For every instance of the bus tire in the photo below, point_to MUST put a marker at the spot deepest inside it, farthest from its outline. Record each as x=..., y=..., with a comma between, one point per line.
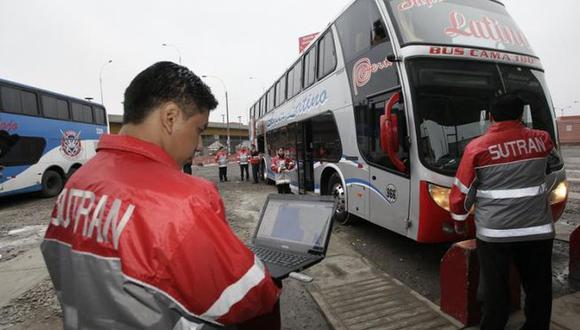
x=338, y=191
x=71, y=172
x=52, y=183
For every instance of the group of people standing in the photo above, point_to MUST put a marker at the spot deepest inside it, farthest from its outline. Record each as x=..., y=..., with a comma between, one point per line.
x=244, y=158
x=281, y=166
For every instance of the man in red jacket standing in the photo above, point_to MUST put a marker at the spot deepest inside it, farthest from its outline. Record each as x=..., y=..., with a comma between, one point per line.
x=134, y=243
x=503, y=173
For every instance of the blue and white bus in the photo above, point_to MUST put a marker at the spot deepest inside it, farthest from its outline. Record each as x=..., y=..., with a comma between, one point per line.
x=44, y=138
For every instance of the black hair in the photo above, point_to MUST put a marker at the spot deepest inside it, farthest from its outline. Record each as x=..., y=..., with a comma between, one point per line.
x=166, y=82
x=507, y=107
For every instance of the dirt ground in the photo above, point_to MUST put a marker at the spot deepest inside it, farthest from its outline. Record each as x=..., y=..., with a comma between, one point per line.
x=23, y=221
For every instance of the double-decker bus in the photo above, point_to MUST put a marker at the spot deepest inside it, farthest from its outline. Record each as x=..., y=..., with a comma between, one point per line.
x=378, y=110
x=44, y=138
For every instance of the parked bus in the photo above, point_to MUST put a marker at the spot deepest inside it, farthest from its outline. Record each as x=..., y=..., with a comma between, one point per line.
x=44, y=138
x=378, y=110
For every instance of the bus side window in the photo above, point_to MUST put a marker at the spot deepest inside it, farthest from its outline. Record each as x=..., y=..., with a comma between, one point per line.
x=20, y=150
x=360, y=28
x=19, y=101
x=368, y=118
x=326, y=55
x=54, y=108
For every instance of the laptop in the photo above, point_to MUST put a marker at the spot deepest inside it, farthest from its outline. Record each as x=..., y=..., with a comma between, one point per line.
x=293, y=232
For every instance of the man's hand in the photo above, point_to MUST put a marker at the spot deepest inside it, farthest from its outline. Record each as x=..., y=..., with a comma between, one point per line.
x=460, y=228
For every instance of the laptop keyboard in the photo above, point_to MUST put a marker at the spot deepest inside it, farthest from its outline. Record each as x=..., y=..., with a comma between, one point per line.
x=279, y=257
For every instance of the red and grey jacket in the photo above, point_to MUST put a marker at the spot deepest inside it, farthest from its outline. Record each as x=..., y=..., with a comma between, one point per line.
x=221, y=158
x=135, y=243
x=280, y=166
x=243, y=157
x=503, y=173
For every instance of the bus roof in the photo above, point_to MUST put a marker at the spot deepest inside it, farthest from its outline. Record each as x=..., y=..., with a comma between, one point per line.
x=313, y=42
x=23, y=86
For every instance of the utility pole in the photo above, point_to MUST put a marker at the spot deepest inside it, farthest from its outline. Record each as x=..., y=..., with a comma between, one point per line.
x=101, y=80
x=227, y=108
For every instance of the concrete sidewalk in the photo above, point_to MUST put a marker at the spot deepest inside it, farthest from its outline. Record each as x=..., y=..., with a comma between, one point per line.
x=353, y=294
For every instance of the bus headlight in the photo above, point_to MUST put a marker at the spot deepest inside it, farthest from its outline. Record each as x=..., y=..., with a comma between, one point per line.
x=440, y=196
x=559, y=194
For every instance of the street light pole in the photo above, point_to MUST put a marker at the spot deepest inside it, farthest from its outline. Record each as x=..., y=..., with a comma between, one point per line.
x=175, y=47
x=101, y=80
x=227, y=108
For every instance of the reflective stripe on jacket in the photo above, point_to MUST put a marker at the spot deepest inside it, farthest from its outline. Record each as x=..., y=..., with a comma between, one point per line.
x=135, y=243
x=503, y=173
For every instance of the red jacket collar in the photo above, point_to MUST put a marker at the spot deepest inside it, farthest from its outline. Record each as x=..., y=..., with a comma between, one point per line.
x=134, y=145
x=505, y=126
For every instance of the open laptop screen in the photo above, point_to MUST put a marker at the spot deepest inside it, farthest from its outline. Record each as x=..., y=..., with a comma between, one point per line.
x=297, y=221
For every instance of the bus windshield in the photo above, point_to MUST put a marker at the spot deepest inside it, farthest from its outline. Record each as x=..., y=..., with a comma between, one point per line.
x=452, y=100
x=471, y=23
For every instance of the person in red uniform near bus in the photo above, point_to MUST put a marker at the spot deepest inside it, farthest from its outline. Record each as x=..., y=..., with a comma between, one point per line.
x=134, y=243
x=281, y=166
x=503, y=173
x=221, y=158
x=255, y=161
x=243, y=157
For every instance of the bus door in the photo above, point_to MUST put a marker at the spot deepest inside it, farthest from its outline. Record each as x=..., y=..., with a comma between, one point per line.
x=388, y=165
x=304, y=156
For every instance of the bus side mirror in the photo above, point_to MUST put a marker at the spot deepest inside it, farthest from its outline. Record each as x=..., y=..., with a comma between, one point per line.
x=390, y=133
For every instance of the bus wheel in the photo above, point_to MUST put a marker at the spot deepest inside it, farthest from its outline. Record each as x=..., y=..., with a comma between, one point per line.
x=71, y=172
x=52, y=183
x=336, y=189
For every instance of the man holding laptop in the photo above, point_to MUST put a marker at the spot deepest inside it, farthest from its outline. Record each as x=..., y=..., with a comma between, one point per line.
x=134, y=243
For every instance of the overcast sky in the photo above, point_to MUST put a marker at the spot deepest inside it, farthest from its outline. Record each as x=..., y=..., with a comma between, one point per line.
x=61, y=45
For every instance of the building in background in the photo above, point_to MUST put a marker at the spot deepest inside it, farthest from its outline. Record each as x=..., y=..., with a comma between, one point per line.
x=569, y=129
x=115, y=123
x=215, y=132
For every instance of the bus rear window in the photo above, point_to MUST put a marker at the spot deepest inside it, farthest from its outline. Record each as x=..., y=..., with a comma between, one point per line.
x=99, y=115
x=471, y=23
x=81, y=112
